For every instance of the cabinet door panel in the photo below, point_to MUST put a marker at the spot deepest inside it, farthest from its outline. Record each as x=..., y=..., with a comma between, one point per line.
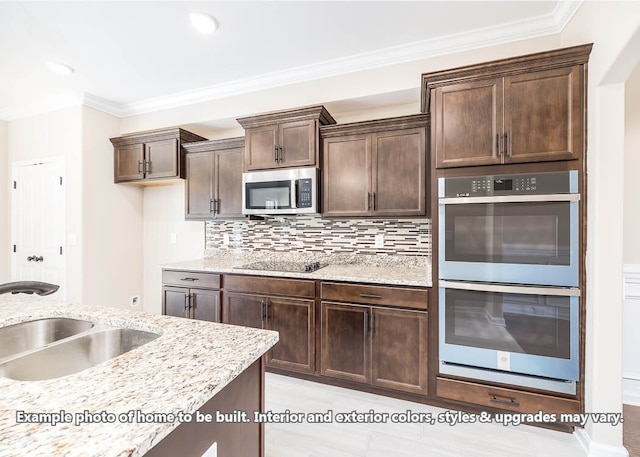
x=345, y=348
x=298, y=142
x=199, y=185
x=346, y=185
x=467, y=120
x=243, y=309
x=543, y=115
x=174, y=301
x=398, y=173
x=260, y=145
x=129, y=163
x=205, y=305
x=228, y=182
x=162, y=159
x=399, y=350
x=294, y=320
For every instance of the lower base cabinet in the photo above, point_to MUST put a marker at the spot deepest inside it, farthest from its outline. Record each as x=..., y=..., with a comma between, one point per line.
x=192, y=295
x=384, y=347
x=292, y=317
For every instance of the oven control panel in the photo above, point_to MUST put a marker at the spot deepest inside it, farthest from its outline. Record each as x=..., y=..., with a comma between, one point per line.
x=563, y=182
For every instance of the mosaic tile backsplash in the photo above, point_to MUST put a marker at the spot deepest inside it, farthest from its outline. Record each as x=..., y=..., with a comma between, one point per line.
x=307, y=234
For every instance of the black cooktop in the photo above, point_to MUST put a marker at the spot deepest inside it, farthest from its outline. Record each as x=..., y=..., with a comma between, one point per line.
x=295, y=267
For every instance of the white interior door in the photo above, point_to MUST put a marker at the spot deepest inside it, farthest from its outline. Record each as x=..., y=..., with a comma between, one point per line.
x=38, y=223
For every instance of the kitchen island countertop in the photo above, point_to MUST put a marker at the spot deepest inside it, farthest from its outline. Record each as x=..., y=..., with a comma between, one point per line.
x=176, y=373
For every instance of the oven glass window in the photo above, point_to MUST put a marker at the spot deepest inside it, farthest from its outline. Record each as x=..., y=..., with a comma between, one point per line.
x=521, y=323
x=534, y=233
x=269, y=195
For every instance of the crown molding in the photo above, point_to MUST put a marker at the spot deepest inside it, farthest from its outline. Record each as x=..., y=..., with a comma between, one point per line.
x=489, y=36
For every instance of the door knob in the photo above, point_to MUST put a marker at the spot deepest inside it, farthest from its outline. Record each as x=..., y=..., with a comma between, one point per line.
x=31, y=258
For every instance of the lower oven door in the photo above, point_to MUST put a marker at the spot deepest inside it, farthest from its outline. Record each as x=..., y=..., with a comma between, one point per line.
x=510, y=329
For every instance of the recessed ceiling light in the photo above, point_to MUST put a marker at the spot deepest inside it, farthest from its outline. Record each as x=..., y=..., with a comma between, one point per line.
x=203, y=22
x=60, y=68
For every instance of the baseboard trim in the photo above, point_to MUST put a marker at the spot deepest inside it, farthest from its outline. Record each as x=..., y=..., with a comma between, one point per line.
x=595, y=449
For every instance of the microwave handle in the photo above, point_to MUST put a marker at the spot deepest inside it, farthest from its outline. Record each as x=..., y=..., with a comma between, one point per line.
x=294, y=193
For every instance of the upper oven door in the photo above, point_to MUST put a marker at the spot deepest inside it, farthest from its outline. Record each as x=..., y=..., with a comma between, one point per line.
x=524, y=239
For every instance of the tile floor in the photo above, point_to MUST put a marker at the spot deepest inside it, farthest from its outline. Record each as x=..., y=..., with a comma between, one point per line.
x=631, y=428
x=333, y=439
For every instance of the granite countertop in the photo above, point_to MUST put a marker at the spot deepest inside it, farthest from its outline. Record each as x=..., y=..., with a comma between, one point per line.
x=176, y=373
x=385, y=270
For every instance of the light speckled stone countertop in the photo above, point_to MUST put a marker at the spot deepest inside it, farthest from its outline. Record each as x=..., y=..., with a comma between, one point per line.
x=394, y=270
x=178, y=372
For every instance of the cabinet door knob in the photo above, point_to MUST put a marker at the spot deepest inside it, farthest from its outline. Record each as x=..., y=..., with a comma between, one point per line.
x=280, y=154
x=139, y=166
x=275, y=153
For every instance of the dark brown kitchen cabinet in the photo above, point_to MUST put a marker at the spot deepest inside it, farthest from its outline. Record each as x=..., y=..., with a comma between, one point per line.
x=378, y=345
x=525, y=109
x=284, y=139
x=193, y=295
x=152, y=157
x=375, y=168
x=284, y=305
x=213, y=188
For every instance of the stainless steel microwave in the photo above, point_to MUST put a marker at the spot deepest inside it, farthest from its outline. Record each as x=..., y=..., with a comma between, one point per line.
x=288, y=191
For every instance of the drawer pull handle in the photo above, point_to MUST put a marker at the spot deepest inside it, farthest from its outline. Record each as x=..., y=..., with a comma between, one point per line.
x=370, y=296
x=188, y=279
x=504, y=401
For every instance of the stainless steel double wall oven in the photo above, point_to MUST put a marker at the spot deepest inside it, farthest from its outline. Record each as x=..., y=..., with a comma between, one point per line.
x=508, y=278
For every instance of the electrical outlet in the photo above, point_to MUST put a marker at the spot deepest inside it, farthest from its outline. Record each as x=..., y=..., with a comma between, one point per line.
x=174, y=238
x=379, y=241
x=135, y=300
x=225, y=239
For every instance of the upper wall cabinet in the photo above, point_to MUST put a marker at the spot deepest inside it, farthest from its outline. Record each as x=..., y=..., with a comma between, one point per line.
x=285, y=138
x=525, y=109
x=153, y=157
x=214, y=179
x=375, y=168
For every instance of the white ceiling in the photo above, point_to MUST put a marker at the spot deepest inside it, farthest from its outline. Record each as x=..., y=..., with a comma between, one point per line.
x=133, y=57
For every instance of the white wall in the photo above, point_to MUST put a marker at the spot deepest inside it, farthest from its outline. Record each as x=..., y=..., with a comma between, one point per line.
x=632, y=169
x=111, y=219
x=612, y=27
x=164, y=216
x=57, y=133
x=5, y=255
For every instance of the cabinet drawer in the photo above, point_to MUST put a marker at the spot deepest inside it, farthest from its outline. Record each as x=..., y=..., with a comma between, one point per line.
x=503, y=398
x=268, y=285
x=191, y=279
x=375, y=295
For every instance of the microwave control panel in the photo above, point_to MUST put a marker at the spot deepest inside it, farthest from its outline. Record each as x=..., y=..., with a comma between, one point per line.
x=563, y=182
x=304, y=188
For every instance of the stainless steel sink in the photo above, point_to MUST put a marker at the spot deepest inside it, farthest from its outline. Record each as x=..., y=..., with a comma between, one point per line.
x=75, y=354
x=26, y=336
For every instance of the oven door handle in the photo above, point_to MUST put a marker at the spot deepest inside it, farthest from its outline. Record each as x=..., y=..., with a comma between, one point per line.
x=509, y=289
x=294, y=193
x=510, y=199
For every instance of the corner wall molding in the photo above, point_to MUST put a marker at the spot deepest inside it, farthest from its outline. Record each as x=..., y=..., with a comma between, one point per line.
x=489, y=36
x=631, y=281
